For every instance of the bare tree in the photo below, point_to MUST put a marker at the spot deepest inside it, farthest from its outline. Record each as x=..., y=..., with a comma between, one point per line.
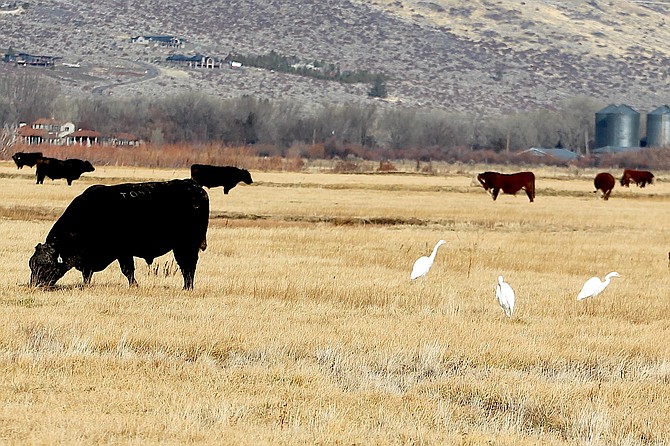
x=7, y=138
x=30, y=96
x=398, y=128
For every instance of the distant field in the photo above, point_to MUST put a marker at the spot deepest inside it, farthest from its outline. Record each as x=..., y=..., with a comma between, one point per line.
x=304, y=327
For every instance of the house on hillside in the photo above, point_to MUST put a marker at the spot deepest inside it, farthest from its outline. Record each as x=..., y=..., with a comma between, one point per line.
x=195, y=61
x=162, y=40
x=11, y=8
x=25, y=59
x=232, y=60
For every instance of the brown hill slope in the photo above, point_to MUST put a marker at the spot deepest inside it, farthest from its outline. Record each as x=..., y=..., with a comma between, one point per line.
x=481, y=56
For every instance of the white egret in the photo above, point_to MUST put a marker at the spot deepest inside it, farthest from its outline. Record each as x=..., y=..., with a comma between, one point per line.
x=594, y=286
x=505, y=296
x=423, y=264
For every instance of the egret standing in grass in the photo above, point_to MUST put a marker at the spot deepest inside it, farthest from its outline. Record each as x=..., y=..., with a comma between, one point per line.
x=594, y=286
x=423, y=264
x=505, y=296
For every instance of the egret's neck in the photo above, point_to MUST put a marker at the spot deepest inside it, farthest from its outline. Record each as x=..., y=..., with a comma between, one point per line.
x=432, y=256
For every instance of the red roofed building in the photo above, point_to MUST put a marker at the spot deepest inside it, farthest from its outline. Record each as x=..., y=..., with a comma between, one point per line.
x=124, y=139
x=83, y=137
x=44, y=131
x=51, y=131
x=28, y=135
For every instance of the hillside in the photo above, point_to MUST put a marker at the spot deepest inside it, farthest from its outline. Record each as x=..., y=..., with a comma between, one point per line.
x=485, y=57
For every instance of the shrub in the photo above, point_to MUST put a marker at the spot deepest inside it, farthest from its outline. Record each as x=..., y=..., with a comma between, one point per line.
x=386, y=166
x=346, y=166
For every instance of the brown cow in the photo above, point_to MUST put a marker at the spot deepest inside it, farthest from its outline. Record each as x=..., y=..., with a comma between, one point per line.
x=604, y=182
x=639, y=177
x=509, y=183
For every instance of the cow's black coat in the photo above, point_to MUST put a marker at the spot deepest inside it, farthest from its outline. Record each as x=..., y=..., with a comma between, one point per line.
x=26, y=158
x=107, y=223
x=214, y=176
x=70, y=169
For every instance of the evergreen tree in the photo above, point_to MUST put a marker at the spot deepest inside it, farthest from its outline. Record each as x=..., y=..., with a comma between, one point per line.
x=378, y=89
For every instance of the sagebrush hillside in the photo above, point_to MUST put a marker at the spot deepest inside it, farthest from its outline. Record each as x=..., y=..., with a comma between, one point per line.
x=481, y=56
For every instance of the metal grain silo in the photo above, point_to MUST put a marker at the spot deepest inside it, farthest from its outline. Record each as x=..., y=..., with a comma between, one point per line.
x=658, y=127
x=602, y=126
x=617, y=126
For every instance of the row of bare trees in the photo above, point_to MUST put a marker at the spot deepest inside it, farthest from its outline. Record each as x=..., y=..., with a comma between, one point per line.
x=363, y=128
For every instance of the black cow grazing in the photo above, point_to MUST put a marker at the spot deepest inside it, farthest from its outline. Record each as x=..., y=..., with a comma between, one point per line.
x=214, y=176
x=70, y=169
x=107, y=223
x=26, y=158
x=509, y=183
x=639, y=177
x=604, y=182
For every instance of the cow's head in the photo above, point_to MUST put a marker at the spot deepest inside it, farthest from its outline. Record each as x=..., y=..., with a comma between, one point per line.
x=483, y=178
x=86, y=166
x=246, y=177
x=17, y=159
x=46, y=266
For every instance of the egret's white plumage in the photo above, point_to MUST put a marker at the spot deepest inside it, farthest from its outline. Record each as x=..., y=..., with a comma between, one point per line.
x=505, y=296
x=423, y=264
x=594, y=286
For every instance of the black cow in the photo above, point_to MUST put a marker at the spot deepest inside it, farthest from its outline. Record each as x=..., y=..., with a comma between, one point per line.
x=604, y=182
x=639, y=177
x=26, y=158
x=214, y=176
x=70, y=169
x=107, y=223
x=510, y=183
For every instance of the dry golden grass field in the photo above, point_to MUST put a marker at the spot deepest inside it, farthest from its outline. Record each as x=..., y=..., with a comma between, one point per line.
x=304, y=326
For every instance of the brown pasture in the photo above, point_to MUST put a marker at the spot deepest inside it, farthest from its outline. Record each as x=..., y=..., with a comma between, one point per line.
x=304, y=327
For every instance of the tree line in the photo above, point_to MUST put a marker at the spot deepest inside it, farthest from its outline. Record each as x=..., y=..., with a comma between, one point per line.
x=317, y=69
x=280, y=127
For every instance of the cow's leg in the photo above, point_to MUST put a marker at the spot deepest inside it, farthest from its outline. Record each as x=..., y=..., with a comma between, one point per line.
x=127, y=265
x=529, y=193
x=187, y=259
x=494, y=193
x=40, y=178
x=69, y=181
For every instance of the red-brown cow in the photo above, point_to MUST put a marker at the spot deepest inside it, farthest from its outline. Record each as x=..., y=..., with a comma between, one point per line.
x=508, y=183
x=639, y=177
x=604, y=182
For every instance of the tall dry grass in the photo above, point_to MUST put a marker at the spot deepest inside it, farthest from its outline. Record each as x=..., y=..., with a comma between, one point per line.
x=304, y=327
